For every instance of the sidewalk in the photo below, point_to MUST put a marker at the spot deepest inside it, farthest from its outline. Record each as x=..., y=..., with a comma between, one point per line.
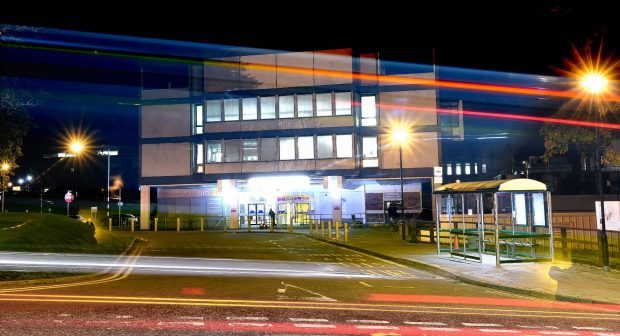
x=559, y=280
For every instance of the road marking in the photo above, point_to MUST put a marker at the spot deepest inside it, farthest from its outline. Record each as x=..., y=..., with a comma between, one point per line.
x=606, y=334
x=426, y=323
x=481, y=324
x=123, y=316
x=247, y=318
x=191, y=318
x=439, y=329
x=64, y=315
x=294, y=319
x=537, y=327
x=368, y=321
x=249, y=324
x=365, y=284
x=500, y=331
x=558, y=333
x=180, y=323
x=590, y=328
x=314, y=325
x=374, y=327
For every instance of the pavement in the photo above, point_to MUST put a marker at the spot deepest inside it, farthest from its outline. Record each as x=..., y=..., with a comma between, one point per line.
x=559, y=280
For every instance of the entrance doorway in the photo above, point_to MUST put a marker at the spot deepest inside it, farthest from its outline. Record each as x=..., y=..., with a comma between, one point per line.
x=302, y=215
x=256, y=214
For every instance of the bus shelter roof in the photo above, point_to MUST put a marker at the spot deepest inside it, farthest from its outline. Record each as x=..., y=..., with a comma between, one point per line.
x=515, y=185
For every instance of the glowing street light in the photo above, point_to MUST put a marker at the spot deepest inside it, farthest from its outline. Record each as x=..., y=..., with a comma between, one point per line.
x=20, y=181
x=400, y=136
x=4, y=169
x=76, y=147
x=594, y=83
x=29, y=178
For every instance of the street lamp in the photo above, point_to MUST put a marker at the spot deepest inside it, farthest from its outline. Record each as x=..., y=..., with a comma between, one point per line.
x=595, y=84
x=4, y=169
x=76, y=147
x=399, y=137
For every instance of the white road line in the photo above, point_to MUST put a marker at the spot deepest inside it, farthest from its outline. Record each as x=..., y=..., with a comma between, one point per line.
x=590, y=328
x=376, y=327
x=249, y=324
x=247, y=318
x=558, y=333
x=368, y=321
x=607, y=334
x=426, y=323
x=123, y=316
x=192, y=318
x=294, y=319
x=64, y=315
x=537, y=327
x=439, y=329
x=365, y=284
x=314, y=325
x=481, y=324
x=181, y=323
x=509, y=331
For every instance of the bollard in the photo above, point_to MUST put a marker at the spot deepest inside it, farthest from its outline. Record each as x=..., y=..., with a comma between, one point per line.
x=132, y=224
x=316, y=227
x=155, y=227
x=109, y=224
x=322, y=228
x=290, y=228
x=202, y=224
x=225, y=227
x=564, y=243
x=178, y=224
x=310, y=228
x=329, y=229
x=346, y=232
x=337, y=230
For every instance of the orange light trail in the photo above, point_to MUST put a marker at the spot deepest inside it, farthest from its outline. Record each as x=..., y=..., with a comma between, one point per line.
x=402, y=80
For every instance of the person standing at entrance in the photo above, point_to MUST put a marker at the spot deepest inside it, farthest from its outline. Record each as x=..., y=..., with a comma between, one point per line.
x=272, y=215
x=392, y=213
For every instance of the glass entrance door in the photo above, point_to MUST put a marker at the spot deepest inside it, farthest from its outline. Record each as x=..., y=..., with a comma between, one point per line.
x=302, y=216
x=256, y=214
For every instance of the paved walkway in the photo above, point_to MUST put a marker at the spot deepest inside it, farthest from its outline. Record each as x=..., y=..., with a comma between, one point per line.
x=561, y=280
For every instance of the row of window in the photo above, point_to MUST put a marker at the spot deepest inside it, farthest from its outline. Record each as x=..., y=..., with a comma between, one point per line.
x=284, y=107
x=467, y=166
x=285, y=148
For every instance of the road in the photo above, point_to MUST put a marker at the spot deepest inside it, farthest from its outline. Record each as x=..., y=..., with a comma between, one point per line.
x=195, y=283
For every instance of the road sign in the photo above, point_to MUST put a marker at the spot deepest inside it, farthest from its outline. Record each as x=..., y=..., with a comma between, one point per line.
x=68, y=197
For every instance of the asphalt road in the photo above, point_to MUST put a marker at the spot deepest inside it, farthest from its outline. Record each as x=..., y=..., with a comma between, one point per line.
x=260, y=283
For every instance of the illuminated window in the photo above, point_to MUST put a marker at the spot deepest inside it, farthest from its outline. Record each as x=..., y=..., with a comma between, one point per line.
x=369, y=111
x=305, y=147
x=231, y=150
x=304, y=106
x=343, y=103
x=268, y=149
x=287, y=107
x=449, y=169
x=214, y=110
x=250, y=150
x=287, y=148
x=484, y=168
x=325, y=146
x=369, y=147
x=324, y=105
x=458, y=169
x=476, y=168
x=200, y=158
x=231, y=109
x=214, y=151
x=198, y=119
x=467, y=168
x=344, y=146
x=268, y=107
x=250, y=108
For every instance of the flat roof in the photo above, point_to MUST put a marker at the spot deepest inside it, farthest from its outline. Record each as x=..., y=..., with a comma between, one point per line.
x=491, y=186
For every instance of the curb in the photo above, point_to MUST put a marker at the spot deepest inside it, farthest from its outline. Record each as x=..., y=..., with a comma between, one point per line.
x=464, y=279
x=63, y=279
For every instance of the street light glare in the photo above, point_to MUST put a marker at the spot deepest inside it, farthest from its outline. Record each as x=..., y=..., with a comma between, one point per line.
x=594, y=83
x=29, y=178
x=77, y=147
x=20, y=181
x=400, y=136
x=5, y=166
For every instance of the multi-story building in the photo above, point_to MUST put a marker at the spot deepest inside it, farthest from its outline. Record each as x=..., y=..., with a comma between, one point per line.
x=307, y=134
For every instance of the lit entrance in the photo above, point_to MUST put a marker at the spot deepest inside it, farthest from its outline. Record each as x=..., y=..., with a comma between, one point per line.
x=256, y=214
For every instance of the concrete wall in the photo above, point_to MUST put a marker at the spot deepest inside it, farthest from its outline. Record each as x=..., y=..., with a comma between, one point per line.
x=162, y=121
x=167, y=159
x=421, y=151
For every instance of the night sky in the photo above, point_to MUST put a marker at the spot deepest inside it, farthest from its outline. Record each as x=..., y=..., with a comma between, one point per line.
x=532, y=37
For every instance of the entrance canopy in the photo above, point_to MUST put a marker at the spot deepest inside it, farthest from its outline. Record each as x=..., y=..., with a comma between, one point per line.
x=491, y=186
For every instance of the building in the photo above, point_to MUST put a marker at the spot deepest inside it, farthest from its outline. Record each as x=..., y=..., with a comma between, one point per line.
x=306, y=134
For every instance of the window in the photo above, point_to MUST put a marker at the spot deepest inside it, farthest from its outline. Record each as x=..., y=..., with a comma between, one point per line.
x=369, y=154
x=250, y=150
x=343, y=103
x=458, y=169
x=250, y=108
x=268, y=149
x=268, y=107
x=344, y=146
x=449, y=169
x=484, y=168
x=231, y=150
x=369, y=111
x=214, y=110
x=467, y=168
x=305, y=147
x=231, y=109
x=325, y=146
x=324, y=105
x=287, y=148
x=214, y=151
x=200, y=158
x=304, y=106
x=198, y=119
x=287, y=106
x=476, y=168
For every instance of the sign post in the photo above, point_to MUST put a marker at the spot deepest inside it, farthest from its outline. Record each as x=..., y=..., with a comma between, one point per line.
x=68, y=199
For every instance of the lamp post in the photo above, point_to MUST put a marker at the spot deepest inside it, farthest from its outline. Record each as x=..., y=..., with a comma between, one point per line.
x=595, y=84
x=4, y=169
x=76, y=147
x=400, y=136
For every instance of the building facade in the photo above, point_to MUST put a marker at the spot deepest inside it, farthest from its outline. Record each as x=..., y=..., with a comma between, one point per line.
x=307, y=134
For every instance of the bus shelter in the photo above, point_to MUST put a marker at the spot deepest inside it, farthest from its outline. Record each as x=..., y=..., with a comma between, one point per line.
x=509, y=220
